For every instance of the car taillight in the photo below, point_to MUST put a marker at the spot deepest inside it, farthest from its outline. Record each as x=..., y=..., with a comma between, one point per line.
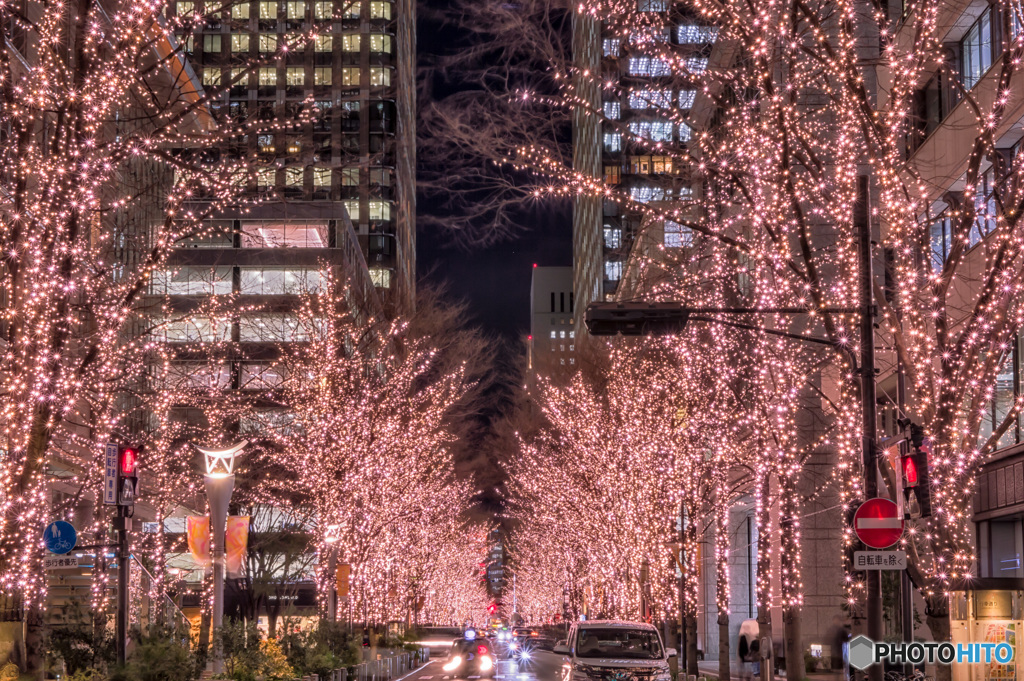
x=481, y=650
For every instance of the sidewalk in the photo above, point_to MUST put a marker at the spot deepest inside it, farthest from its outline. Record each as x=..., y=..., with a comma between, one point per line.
x=709, y=669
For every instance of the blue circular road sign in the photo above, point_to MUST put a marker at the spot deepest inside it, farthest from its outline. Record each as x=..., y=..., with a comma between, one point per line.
x=60, y=537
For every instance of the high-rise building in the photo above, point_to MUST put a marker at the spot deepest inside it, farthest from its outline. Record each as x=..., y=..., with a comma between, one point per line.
x=344, y=145
x=552, y=334
x=643, y=102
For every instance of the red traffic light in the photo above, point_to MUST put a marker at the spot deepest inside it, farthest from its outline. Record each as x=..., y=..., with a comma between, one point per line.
x=910, y=478
x=129, y=461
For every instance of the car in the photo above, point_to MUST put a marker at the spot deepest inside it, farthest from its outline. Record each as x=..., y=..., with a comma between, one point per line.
x=614, y=650
x=437, y=639
x=471, y=655
x=521, y=648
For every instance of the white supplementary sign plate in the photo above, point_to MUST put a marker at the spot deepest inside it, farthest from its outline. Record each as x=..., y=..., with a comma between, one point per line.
x=879, y=560
x=110, y=474
x=60, y=562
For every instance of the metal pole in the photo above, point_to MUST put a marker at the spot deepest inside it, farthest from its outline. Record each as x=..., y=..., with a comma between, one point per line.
x=682, y=595
x=121, y=525
x=869, y=437
x=218, y=493
x=906, y=595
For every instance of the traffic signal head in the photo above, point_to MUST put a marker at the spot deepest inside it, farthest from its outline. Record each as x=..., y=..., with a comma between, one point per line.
x=129, y=460
x=910, y=477
x=127, y=475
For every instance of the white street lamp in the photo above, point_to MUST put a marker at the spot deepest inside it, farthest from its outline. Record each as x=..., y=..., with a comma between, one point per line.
x=220, y=483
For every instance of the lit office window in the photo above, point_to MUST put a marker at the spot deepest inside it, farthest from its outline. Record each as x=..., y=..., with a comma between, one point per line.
x=352, y=208
x=696, y=64
x=293, y=177
x=380, y=10
x=976, y=49
x=611, y=47
x=211, y=77
x=612, y=111
x=324, y=43
x=322, y=75
x=691, y=34
x=612, y=141
x=271, y=327
x=650, y=99
x=268, y=75
x=652, y=5
x=284, y=235
x=191, y=281
x=276, y=281
x=212, y=43
x=684, y=132
x=350, y=177
x=656, y=131
x=650, y=67
x=381, y=278
x=612, y=174
x=380, y=43
x=677, y=236
x=265, y=178
x=268, y=42
x=268, y=10
x=649, y=35
x=183, y=8
x=258, y=376
x=350, y=42
x=240, y=10
x=295, y=9
x=351, y=10
x=612, y=237
x=613, y=270
x=192, y=330
x=380, y=210
x=323, y=10
x=645, y=194
x=239, y=77
x=322, y=177
x=350, y=76
x=686, y=98
x=239, y=42
x=380, y=75
x=295, y=76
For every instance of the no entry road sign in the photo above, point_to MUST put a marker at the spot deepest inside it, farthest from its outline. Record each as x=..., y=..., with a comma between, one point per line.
x=877, y=523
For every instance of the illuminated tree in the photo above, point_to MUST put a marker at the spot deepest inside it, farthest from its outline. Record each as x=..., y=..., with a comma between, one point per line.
x=106, y=137
x=785, y=117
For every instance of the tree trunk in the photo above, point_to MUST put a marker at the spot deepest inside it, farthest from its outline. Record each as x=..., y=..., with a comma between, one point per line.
x=271, y=624
x=204, y=633
x=937, y=619
x=794, y=649
x=691, y=645
x=764, y=632
x=34, y=642
x=723, y=647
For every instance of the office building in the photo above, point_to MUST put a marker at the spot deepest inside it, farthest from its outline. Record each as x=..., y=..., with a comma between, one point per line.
x=344, y=143
x=552, y=333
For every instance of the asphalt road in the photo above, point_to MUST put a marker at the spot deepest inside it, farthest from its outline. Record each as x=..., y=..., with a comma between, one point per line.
x=544, y=666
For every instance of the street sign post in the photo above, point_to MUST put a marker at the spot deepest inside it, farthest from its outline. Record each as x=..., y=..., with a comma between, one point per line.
x=879, y=560
x=60, y=537
x=878, y=523
x=110, y=474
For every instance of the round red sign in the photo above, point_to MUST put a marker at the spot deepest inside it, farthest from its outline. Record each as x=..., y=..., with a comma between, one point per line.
x=878, y=523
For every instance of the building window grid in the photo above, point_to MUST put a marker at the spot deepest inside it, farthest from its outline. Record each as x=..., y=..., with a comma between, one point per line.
x=611, y=47
x=650, y=99
x=650, y=67
x=612, y=111
x=976, y=49
x=693, y=34
x=677, y=235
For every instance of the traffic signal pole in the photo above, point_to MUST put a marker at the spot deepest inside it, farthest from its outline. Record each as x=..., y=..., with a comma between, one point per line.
x=868, y=403
x=122, y=524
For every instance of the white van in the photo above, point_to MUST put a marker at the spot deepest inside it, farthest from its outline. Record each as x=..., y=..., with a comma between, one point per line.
x=614, y=650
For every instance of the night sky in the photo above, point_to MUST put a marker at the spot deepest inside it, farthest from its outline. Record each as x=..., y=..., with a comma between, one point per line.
x=494, y=281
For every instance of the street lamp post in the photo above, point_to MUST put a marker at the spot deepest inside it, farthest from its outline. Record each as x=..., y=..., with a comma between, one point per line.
x=220, y=483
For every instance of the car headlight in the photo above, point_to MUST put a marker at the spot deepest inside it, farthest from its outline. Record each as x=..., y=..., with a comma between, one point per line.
x=485, y=663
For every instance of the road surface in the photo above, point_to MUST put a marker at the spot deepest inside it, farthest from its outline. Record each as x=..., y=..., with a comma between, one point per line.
x=545, y=666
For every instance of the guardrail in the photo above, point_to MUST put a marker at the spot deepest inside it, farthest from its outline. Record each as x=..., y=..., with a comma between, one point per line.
x=388, y=666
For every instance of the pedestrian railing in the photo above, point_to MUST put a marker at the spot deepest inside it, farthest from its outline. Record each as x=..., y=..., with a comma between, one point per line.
x=389, y=665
